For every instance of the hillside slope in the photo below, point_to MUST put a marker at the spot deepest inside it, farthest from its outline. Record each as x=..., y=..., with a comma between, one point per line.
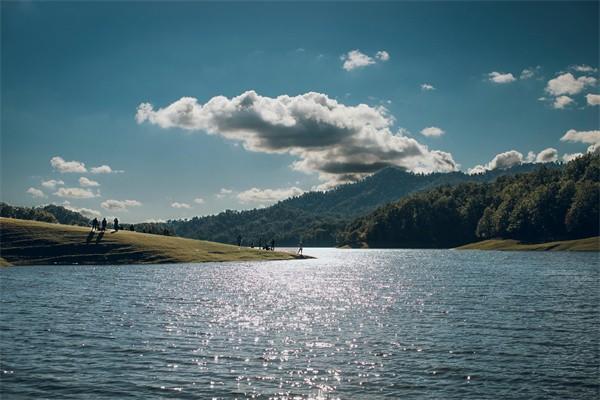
x=40, y=243
x=541, y=206
x=587, y=244
x=317, y=218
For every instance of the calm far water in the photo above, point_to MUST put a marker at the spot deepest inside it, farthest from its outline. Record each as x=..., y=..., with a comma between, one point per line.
x=353, y=324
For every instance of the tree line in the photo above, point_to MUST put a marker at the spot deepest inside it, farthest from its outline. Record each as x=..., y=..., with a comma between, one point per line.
x=543, y=205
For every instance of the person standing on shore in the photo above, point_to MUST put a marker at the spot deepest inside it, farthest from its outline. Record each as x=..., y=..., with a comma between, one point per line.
x=116, y=224
x=94, y=224
x=300, y=248
x=103, y=224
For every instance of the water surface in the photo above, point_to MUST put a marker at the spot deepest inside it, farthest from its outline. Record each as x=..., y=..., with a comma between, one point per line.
x=352, y=324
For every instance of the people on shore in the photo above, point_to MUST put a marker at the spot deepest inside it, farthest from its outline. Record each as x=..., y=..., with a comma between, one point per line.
x=94, y=224
x=104, y=224
x=272, y=244
x=116, y=224
x=300, y=248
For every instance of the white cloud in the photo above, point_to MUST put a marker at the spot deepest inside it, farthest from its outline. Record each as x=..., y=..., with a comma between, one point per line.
x=504, y=160
x=593, y=99
x=567, y=84
x=36, y=192
x=478, y=169
x=570, y=157
x=155, y=221
x=52, y=183
x=180, y=205
x=75, y=193
x=355, y=59
x=499, y=77
x=561, y=102
x=547, y=155
x=199, y=200
x=223, y=193
x=265, y=196
x=85, y=182
x=104, y=169
x=86, y=212
x=382, y=55
x=427, y=86
x=62, y=166
x=583, y=68
x=119, y=205
x=589, y=137
x=529, y=73
x=341, y=143
x=432, y=131
x=530, y=157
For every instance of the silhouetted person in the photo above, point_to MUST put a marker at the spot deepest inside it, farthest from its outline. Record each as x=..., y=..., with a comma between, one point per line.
x=116, y=224
x=239, y=240
x=300, y=248
x=103, y=224
x=94, y=224
x=272, y=244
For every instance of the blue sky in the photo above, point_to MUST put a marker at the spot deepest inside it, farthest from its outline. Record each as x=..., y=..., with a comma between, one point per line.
x=74, y=74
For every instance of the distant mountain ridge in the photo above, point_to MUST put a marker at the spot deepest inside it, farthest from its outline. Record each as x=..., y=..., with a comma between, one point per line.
x=315, y=218
x=318, y=218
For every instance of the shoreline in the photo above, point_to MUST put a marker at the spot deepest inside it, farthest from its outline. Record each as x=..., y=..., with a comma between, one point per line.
x=27, y=242
x=591, y=244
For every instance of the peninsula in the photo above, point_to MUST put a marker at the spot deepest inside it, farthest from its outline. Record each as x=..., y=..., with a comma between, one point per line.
x=25, y=242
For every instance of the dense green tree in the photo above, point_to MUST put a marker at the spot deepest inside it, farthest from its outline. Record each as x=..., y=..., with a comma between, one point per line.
x=546, y=204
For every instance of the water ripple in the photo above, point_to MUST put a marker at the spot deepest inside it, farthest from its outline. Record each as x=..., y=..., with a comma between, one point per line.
x=352, y=324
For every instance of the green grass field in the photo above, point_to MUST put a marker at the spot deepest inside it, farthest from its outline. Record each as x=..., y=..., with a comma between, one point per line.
x=39, y=243
x=587, y=244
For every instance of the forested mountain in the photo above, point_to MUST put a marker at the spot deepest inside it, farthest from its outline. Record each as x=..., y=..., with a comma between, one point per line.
x=326, y=218
x=547, y=204
x=317, y=218
x=50, y=213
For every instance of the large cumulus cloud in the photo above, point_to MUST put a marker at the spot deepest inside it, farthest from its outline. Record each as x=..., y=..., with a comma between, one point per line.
x=342, y=143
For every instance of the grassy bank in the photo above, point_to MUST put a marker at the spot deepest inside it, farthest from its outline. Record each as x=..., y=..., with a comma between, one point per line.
x=39, y=243
x=587, y=244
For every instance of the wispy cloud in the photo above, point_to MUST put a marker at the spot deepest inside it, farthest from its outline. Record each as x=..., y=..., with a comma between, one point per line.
x=382, y=55
x=432, y=131
x=588, y=137
x=75, y=193
x=499, y=77
x=104, y=169
x=180, y=205
x=52, y=183
x=62, y=166
x=562, y=101
x=119, y=205
x=356, y=59
x=266, y=196
x=37, y=193
x=583, y=68
x=85, y=182
x=427, y=87
x=224, y=193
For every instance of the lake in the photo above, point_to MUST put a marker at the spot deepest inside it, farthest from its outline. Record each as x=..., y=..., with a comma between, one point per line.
x=352, y=324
